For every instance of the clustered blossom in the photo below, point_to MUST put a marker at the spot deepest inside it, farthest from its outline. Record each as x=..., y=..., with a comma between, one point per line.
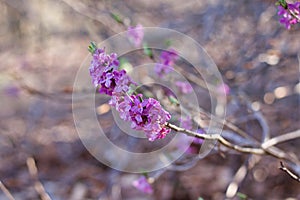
x=143, y=185
x=105, y=74
x=184, y=87
x=167, y=59
x=290, y=14
x=144, y=114
x=136, y=34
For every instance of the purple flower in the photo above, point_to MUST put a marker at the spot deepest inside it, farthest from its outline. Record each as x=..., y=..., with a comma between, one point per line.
x=136, y=34
x=186, y=123
x=143, y=185
x=104, y=73
x=195, y=145
x=167, y=59
x=114, y=82
x=12, y=91
x=102, y=62
x=184, y=87
x=157, y=117
x=289, y=15
x=144, y=114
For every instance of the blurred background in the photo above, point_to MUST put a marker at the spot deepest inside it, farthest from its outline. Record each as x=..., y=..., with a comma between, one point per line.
x=42, y=45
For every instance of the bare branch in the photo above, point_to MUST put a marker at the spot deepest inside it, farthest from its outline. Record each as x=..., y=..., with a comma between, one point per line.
x=262, y=150
x=281, y=138
x=291, y=174
x=219, y=138
x=38, y=186
x=6, y=191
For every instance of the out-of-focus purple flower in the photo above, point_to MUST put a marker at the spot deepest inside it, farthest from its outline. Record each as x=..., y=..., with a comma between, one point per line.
x=199, y=140
x=195, y=145
x=186, y=123
x=12, y=91
x=144, y=114
x=289, y=15
x=223, y=89
x=143, y=185
x=136, y=34
x=167, y=59
x=184, y=87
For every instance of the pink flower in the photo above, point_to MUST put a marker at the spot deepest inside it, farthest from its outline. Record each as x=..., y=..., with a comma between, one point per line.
x=136, y=34
x=143, y=185
x=184, y=87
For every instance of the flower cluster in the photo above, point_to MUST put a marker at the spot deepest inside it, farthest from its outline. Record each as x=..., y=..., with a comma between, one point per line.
x=144, y=114
x=167, y=59
x=105, y=74
x=290, y=13
x=143, y=185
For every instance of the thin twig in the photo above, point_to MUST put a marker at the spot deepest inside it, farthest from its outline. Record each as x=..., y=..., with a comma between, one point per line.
x=252, y=150
x=219, y=138
x=38, y=186
x=6, y=191
x=291, y=174
x=281, y=138
x=240, y=175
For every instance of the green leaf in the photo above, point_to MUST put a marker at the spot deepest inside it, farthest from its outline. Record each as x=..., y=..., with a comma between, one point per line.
x=92, y=47
x=173, y=100
x=147, y=50
x=124, y=64
x=282, y=3
x=117, y=18
x=168, y=43
x=241, y=195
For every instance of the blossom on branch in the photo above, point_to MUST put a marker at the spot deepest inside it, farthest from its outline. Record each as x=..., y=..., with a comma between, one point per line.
x=290, y=13
x=166, y=62
x=144, y=114
x=104, y=72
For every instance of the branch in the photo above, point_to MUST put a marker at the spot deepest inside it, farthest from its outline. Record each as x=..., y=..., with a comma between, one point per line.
x=219, y=138
x=291, y=174
x=281, y=138
x=6, y=191
x=262, y=150
x=38, y=186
